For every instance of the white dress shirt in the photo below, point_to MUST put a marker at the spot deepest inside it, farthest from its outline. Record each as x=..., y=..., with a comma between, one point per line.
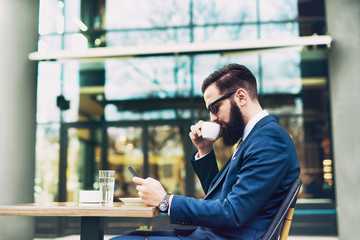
x=253, y=122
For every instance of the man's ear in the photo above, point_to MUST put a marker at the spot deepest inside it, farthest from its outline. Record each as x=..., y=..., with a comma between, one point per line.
x=241, y=96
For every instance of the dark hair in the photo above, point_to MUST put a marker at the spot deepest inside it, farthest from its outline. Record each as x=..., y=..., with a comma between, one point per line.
x=232, y=77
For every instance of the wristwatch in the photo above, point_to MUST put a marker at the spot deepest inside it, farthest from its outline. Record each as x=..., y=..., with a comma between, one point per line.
x=164, y=204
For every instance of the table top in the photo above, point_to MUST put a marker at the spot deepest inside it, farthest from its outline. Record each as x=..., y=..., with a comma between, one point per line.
x=71, y=209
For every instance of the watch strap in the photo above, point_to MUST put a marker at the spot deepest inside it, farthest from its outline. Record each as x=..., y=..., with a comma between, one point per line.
x=166, y=201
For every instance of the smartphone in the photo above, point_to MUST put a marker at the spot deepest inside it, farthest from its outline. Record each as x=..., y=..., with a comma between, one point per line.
x=133, y=172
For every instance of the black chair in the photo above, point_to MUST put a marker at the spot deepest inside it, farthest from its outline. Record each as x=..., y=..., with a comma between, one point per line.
x=280, y=226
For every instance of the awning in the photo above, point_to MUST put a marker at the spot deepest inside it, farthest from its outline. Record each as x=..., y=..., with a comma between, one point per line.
x=180, y=49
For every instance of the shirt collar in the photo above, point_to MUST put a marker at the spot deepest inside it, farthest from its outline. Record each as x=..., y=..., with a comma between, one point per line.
x=252, y=123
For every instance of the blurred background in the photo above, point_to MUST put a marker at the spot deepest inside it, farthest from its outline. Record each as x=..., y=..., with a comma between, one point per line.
x=105, y=84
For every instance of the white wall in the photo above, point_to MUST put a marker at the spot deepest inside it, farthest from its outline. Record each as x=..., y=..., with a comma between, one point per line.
x=18, y=27
x=343, y=20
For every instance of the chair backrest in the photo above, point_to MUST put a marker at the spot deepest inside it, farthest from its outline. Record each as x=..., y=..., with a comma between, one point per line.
x=285, y=211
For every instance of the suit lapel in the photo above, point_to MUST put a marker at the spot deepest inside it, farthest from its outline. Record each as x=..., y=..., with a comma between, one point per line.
x=220, y=176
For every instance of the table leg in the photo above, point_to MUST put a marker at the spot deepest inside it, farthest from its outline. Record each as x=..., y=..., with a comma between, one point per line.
x=92, y=228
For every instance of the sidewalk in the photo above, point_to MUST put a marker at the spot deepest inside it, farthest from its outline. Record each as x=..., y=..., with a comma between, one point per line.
x=77, y=237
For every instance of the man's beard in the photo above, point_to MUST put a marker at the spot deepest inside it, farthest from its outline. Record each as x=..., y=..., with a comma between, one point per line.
x=234, y=129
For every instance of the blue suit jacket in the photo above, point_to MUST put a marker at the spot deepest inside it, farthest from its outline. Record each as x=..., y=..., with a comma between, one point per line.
x=243, y=197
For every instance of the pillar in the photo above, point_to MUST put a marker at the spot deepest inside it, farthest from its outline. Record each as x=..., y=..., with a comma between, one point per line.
x=18, y=25
x=343, y=18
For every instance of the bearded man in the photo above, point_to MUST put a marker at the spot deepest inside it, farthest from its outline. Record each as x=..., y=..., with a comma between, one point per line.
x=242, y=198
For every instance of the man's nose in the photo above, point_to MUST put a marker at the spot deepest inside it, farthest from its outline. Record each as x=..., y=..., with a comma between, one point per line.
x=213, y=117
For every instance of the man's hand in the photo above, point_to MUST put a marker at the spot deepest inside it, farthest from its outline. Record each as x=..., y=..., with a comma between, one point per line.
x=150, y=191
x=204, y=146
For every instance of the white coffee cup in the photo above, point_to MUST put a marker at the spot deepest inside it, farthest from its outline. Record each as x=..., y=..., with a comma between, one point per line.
x=210, y=131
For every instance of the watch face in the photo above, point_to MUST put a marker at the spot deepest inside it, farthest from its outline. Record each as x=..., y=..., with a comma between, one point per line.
x=163, y=206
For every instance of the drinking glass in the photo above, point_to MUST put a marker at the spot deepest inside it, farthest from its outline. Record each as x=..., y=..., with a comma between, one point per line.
x=106, y=182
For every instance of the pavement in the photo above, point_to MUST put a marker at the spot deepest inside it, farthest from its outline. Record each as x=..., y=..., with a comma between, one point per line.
x=107, y=237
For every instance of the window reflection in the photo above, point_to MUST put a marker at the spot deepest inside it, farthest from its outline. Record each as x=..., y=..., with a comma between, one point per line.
x=49, y=43
x=72, y=11
x=114, y=114
x=157, y=77
x=279, y=30
x=124, y=150
x=225, y=11
x=225, y=33
x=83, y=161
x=147, y=37
x=166, y=157
x=47, y=163
x=51, y=19
x=71, y=90
x=281, y=72
x=49, y=87
x=277, y=10
x=140, y=13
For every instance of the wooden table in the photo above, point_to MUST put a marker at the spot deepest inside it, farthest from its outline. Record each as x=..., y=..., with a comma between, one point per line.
x=92, y=215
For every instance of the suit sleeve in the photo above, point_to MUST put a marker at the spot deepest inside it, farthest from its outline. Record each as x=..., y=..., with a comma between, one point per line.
x=265, y=163
x=206, y=169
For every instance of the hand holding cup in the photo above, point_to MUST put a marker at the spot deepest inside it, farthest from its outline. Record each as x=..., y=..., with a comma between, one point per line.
x=211, y=132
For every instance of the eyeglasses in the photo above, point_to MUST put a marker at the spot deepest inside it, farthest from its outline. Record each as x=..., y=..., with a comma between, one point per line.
x=214, y=109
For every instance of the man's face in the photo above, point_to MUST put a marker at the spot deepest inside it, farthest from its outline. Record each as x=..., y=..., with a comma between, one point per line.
x=228, y=115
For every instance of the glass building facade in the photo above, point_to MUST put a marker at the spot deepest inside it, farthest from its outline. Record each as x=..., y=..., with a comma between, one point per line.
x=117, y=112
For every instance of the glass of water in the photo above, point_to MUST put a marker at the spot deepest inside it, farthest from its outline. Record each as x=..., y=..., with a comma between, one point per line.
x=106, y=182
